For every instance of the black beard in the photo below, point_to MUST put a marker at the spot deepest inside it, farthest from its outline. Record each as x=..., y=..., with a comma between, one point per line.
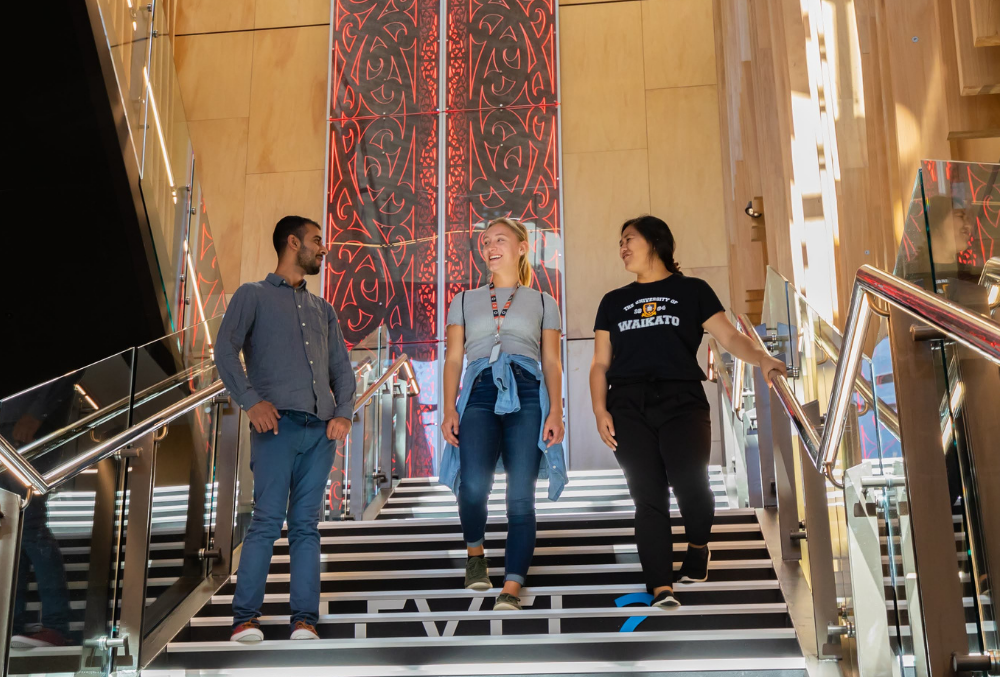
x=307, y=262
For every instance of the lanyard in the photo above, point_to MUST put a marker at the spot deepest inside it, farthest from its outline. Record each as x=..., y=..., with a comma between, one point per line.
x=499, y=315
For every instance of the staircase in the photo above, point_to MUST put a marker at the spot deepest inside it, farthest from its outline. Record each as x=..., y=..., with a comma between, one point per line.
x=392, y=597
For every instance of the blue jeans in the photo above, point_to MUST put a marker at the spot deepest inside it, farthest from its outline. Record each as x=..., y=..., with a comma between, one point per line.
x=290, y=471
x=40, y=550
x=483, y=438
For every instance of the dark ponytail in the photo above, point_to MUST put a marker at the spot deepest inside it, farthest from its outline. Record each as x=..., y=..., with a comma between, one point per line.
x=657, y=233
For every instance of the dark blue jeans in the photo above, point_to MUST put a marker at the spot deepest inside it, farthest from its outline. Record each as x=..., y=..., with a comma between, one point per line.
x=290, y=471
x=483, y=438
x=40, y=550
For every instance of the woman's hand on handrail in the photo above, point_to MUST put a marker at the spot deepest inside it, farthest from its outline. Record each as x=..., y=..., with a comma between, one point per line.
x=772, y=367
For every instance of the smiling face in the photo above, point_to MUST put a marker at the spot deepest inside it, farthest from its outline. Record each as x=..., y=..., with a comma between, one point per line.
x=501, y=248
x=634, y=251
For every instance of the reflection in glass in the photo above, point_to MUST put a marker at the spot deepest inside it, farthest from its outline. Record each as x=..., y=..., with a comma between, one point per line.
x=63, y=418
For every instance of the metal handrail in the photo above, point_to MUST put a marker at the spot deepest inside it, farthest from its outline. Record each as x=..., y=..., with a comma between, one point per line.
x=955, y=322
x=401, y=362
x=722, y=373
x=104, y=414
x=40, y=484
x=885, y=415
x=43, y=484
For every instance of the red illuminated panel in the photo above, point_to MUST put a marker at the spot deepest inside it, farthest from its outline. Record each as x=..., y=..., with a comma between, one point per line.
x=382, y=226
x=502, y=162
x=385, y=57
x=501, y=53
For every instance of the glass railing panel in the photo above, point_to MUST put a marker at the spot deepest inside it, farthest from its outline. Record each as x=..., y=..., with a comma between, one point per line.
x=171, y=368
x=128, y=29
x=67, y=589
x=776, y=317
x=969, y=406
x=168, y=171
x=184, y=487
x=57, y=421
x=949, y=248
x=202, y=294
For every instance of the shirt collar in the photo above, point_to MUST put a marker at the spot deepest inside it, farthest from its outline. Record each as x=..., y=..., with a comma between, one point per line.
x=277, y=281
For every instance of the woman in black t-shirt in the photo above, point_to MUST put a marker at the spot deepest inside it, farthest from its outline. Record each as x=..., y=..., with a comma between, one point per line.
x=655, y=416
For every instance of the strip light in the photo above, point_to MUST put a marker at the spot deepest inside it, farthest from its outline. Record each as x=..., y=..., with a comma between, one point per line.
x=197, y=297
x=159, y=129
x=86, y=398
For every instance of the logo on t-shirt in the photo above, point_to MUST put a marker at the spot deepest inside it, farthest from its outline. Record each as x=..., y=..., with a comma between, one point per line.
x=648, y=310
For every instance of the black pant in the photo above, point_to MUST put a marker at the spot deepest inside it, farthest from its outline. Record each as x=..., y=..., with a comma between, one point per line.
x=664, y=435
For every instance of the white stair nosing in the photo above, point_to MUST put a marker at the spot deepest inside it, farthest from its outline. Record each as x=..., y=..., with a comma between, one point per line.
x=739, y=528
x=526, y=613
x=551, y=551
x=694, y=666
x=529, y=591
x=542, y=570
x=739, y=635
x=499, y=519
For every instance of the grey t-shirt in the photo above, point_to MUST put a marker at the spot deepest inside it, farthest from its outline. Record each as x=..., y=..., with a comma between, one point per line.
x=521, y=331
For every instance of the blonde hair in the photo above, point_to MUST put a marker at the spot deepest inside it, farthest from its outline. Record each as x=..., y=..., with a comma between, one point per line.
x=519, y=229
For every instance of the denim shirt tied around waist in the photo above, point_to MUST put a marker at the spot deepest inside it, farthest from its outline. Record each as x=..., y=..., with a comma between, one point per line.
x=553, y=463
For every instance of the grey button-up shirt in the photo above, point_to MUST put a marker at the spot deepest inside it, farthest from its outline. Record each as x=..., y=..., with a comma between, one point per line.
x=293, y=348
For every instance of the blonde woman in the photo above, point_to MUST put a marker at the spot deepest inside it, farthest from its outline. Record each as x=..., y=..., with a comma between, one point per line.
x=510, y=407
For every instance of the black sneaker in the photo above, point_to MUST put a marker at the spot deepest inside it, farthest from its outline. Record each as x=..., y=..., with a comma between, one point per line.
x=666, y=600
x=477, y=575
x=695, y=566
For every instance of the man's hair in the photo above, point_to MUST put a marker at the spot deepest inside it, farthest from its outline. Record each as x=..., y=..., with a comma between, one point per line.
x=290, y=225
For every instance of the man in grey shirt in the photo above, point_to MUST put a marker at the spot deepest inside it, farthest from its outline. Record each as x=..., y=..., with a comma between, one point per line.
x=295, y=356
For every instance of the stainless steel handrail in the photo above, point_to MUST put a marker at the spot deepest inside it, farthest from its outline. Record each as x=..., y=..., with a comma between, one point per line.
x=104, y=414
x=723, y=374
x=26, y=473
x=886, y=416
x=43, y=484
x=955, y=322
x=401, y=362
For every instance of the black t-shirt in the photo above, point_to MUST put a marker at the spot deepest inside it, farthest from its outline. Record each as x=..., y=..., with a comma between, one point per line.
x=656, y=329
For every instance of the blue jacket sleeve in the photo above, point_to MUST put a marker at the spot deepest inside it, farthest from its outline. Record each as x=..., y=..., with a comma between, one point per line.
x=236, y=324
x=342, y=380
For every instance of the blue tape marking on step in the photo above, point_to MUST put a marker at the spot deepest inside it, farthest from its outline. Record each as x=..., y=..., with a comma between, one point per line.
x=634, y=598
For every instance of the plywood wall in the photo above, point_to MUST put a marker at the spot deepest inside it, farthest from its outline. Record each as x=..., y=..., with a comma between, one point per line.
x=640, y=135
x=253, y=77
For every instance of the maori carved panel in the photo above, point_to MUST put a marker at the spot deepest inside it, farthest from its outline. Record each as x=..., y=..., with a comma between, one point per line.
x=383, y=221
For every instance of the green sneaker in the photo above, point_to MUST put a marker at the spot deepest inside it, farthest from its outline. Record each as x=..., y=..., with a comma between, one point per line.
x=507, y=602
x=477, y=574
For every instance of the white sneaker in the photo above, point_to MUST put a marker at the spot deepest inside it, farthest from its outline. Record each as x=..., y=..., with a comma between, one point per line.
x=247, y=633
x=304, y=631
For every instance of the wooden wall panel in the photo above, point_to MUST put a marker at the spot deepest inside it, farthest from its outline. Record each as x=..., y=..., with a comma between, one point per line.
x=214, y=74
x=256, y=104
x=677, y=53
x=772, y=114
x=268, y=198
x=600, y=191
x=282, y=13
x=214, y=16
x=603, y=91
x=221, y=168
x=288, y=102
x=978, y=67
x=986, y=23
x=685, y=172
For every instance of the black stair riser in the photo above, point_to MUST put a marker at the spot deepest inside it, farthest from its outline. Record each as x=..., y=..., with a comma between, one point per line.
x=656, y=621
x=589, y=601
x=611, y=650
